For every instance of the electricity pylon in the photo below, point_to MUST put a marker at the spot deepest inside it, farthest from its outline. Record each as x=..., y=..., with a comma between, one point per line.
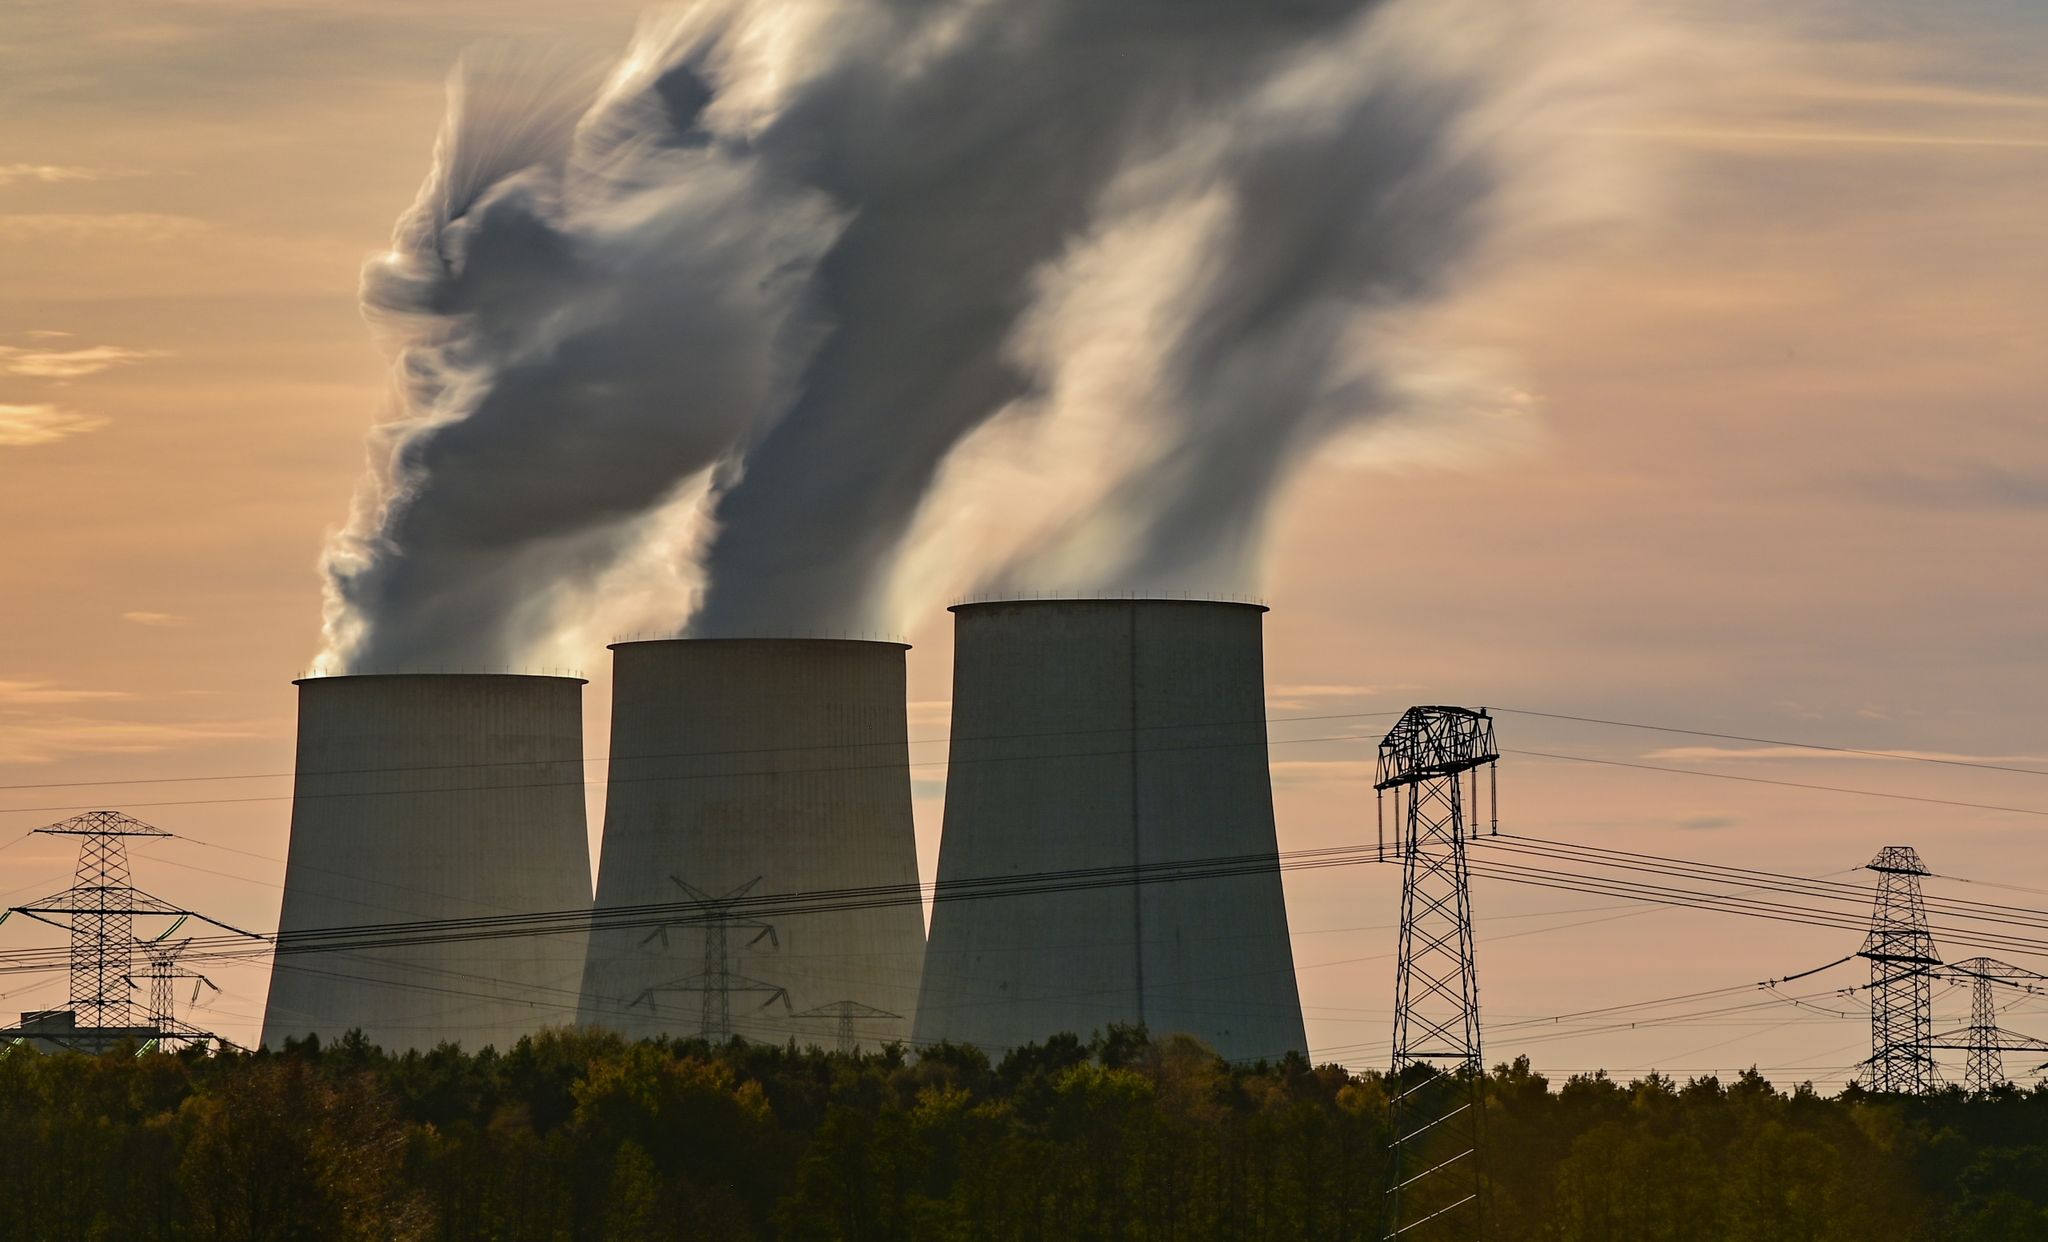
x=1982, y=1039
x=99, y=911
x=1438, y=1075
x=1902, y=957
x=162, y=974
x=847, y=1012
x=717, y=981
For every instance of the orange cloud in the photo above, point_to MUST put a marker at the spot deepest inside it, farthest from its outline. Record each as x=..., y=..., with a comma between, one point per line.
x=64, y=364
x=23, y=426
x=47, y=173
x=50, y=739
x=42, y=693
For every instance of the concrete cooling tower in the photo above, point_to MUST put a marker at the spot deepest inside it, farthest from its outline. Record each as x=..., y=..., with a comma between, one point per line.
x=1117, y=737
x=745, y=771
x=430, y=797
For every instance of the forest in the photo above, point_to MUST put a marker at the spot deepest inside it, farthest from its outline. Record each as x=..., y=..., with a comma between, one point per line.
x=581, y=1135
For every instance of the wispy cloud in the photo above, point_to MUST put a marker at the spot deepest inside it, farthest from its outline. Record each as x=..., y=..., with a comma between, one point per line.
x=1715, y=754
x=47, y=740
x=1301, y=696
x=43, y=721
x=1762, y=136
x=49, y=173
x=1978, y=487
x=1319, y=690
x=153, y=618
x=1704, y=823
x=22, y=426
x=45, y=693
x=1871, y=107
x=1917, y=93
x=95, y=226
x=1307, y=771
x=64, y=364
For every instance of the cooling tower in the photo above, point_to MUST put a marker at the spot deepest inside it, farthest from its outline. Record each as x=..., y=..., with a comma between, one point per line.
x=431, y=797
x=745, y=771
x=1118, y=738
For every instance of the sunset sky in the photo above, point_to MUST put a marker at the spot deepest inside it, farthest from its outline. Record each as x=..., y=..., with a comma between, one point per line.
x=1778, y=469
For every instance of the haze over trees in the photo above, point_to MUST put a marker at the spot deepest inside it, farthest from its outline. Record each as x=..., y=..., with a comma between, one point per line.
x=572, y=1136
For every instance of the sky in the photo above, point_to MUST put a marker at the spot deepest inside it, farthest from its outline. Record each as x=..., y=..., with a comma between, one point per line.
x=1778, y=468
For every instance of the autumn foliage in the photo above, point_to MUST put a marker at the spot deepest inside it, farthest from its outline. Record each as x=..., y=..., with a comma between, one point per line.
x=577, y=1135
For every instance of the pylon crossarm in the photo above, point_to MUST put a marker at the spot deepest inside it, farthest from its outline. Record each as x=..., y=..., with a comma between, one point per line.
x=192, y=914
x=1433, y=1215
x=1991, y=970
x=37, y=916
x=845, y=1009
x=2002, y=1041
x=727, y=983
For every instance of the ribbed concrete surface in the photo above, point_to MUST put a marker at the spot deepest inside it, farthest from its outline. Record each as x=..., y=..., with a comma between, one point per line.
x=1119, y=735
x=433, y=796
x=779, y=761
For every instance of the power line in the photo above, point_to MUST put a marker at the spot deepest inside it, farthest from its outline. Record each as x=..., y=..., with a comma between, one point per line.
x=897, y=765
x=1823, y=887
x=362, y=936
x=1765, y=780
x=369, y=936
x=692, y=754
x=588, y=759
x=1690, y=1017
x=354, y=937
x=1593, y=885
x=1671, y=1000
x=1770, y=741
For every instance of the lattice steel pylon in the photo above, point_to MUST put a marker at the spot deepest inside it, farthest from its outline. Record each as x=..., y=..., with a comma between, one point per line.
x=1438, y=1074
x=718, y=980
x=161, y=974
x=1902, y=958
x=847, y=1013
x=1983, y=1040
x=101, y=907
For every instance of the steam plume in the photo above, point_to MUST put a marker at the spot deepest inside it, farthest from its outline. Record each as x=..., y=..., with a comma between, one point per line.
x=864, y=260
x=589, y=303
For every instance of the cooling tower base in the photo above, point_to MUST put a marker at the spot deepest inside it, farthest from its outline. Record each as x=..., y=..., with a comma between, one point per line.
x=754, y=782
x=1100, y=746
x=431, y=797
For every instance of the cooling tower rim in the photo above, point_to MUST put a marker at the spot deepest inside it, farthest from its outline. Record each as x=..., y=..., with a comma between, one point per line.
x=468, y=678
x=763, y=640
x=1000, y=601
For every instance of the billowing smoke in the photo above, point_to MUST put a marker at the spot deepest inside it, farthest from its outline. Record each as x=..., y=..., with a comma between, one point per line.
x=860, y=259
x=591, y=301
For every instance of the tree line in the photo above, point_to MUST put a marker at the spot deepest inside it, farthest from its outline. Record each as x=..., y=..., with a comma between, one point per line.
x=577, y=1135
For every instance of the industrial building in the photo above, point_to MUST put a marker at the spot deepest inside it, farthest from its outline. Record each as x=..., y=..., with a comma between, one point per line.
x=57, y=1030
x=1101, y=746
x=751, y=780
x=427, y=797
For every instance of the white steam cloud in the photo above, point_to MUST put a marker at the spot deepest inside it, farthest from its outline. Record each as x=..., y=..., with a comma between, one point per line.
x=858, y=273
